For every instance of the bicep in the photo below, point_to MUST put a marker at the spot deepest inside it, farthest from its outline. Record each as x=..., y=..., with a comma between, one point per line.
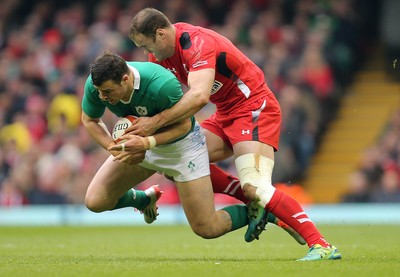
x=201, y=81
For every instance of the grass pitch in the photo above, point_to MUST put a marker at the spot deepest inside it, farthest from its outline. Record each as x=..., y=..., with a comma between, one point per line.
x=163, y=251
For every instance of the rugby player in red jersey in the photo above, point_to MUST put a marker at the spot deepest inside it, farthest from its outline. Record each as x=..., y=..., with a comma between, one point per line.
x=246, y=123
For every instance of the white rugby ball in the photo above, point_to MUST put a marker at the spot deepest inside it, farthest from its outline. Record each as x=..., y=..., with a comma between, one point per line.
x=122, y=124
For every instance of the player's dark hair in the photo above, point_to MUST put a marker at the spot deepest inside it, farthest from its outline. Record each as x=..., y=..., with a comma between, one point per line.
x=147, y=21
x=108, y=66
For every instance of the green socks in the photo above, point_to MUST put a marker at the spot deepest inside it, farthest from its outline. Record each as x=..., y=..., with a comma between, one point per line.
x=238, y=214
x=133, y=198
x=271, y=218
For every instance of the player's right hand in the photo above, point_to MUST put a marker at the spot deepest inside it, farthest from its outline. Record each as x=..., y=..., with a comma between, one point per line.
x=142, y=126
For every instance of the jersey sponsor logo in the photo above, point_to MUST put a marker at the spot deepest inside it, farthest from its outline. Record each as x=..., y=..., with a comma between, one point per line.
x=120, y=127
x=199, y=63
x=216, y=87
x=245, y=132
x=142, y=111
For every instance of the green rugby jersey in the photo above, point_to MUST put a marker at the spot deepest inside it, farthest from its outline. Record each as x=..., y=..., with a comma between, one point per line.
x=155, y=89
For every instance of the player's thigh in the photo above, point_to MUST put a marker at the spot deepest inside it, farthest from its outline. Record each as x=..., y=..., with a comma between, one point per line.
x=197, y=199
x=218, y=150
x=246, y=147
x=114, y=178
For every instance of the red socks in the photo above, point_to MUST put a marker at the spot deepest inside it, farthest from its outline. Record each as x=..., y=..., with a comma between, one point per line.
x=281, y=205
x=226, y=183
x=289, y=211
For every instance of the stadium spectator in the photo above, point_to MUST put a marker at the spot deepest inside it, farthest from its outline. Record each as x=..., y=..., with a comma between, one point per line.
x=389, y=187
x=379, y=167
x=299, y=127
x=10, y=195
x=359, y=189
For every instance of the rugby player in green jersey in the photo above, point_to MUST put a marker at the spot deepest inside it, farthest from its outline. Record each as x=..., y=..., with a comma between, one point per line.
x=179, y=150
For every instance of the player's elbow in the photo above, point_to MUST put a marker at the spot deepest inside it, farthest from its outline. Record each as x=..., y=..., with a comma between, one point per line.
x=85, y=119
x=200, y=100
x=203, y=100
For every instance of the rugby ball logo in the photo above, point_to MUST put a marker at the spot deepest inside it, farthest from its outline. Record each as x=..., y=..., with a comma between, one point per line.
x=122, y=124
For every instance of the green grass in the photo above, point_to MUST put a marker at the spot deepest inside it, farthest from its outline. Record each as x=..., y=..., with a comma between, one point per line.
x=175, y=251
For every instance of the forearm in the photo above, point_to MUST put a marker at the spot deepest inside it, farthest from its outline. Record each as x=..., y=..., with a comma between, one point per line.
x=200, y=85
x=173, y=132
x=98, y=131
x=189, y=105
x=133, y=143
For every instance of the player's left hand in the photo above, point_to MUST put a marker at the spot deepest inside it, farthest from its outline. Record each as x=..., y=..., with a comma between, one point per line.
x=142, y=126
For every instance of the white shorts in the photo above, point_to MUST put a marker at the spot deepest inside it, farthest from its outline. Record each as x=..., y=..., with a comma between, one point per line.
x=184, y=160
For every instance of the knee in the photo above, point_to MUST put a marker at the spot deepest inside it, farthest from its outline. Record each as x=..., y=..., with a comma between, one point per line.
x=249, y=191
x=93, y=204
x=255, y=173
x=205, y=231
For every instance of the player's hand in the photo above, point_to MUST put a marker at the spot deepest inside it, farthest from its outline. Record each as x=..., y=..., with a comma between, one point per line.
x=131, y=150
x=131, y=144
x=113, y=152
x=130, y=158
x=143, y=126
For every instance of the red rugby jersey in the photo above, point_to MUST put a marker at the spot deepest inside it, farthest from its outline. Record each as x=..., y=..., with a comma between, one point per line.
x=237, y=78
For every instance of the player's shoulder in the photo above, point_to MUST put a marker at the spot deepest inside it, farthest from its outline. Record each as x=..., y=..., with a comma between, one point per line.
x=192, y=30
x=189, y=35
x=152, y=73
x=89, y=80
x=89, y=87
x=183, y=26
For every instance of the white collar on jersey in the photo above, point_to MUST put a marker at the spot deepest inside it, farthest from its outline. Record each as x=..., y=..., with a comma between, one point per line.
x=136, y=83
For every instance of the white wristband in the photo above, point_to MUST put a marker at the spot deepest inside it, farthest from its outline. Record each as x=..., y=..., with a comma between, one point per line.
x=152, y=142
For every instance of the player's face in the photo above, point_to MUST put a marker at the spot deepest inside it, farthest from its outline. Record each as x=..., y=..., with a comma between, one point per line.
x=112, y=92
x=158, y=45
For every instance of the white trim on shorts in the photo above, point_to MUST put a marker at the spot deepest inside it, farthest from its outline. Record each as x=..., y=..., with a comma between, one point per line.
x=184, y=160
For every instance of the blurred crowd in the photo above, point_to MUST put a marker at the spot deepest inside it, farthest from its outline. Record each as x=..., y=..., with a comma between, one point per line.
x=378, y=177
x=308, y=50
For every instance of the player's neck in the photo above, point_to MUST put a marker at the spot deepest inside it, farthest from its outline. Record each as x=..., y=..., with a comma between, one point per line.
x=172, y=37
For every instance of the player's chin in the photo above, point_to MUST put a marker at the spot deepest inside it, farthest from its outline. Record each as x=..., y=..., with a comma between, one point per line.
x=159, y=58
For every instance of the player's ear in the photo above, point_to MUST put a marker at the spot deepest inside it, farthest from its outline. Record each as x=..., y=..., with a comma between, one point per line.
x=160, y=32
x=125, y=78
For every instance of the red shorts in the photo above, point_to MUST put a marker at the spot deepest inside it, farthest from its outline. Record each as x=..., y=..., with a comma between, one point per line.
x=256, y=121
